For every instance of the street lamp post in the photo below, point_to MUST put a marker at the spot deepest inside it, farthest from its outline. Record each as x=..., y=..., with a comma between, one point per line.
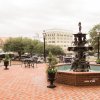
x=98, y=46
x=98, y=33
x=44, y=36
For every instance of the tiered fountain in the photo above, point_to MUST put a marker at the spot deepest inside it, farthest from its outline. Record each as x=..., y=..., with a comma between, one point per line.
x=79, y=73
x=80, y=64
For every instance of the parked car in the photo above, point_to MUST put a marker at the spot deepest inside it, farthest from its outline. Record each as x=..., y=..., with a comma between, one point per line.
x=2, y=55
x=16, y=57
x=68, y=59
x=40, y=60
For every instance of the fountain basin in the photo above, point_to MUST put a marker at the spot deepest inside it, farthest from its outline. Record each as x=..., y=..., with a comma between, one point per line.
x=78, y=78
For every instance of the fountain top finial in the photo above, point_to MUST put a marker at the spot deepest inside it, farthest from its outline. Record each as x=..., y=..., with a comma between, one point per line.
x=80, y=27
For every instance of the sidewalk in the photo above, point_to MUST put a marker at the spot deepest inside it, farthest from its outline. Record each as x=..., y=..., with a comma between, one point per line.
x=20, y=83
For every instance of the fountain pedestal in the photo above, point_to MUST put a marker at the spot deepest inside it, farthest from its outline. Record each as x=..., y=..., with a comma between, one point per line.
x=80, y=64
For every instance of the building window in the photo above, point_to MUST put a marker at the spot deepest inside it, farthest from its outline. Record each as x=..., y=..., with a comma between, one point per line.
x=67, y=35
x=53, y=41
x=64, y=45
x=49, y=41
x=65, y=38
x=53, y=38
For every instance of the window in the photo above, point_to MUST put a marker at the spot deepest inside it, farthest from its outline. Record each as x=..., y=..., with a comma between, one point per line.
x=53, y=41
x=53, y=38
x=64, y=45
x=49, y=42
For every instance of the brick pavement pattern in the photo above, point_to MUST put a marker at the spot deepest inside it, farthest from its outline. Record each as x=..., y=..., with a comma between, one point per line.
x=20, y=83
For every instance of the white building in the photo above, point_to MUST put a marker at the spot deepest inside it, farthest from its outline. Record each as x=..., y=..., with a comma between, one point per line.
x=59, y=37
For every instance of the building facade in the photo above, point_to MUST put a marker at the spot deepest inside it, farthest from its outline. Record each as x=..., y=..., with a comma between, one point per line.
x=2, y=41
x=61, y=38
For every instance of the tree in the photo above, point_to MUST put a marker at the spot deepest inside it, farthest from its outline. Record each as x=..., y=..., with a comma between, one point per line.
x=15, y=45
x=39, y=48
x=55, y=50
x=28, y=46
x=93, y=37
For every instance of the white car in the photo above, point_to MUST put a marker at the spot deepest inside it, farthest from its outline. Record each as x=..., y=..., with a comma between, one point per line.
x=40, y=60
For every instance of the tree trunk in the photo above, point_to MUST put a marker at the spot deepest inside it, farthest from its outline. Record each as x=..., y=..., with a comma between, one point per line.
x=19, y=53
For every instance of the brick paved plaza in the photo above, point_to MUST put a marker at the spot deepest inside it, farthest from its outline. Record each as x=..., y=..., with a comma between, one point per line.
x=20, y=83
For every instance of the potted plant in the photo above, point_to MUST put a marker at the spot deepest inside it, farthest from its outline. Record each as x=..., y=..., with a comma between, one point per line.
x=6, y=61
x=51, y=71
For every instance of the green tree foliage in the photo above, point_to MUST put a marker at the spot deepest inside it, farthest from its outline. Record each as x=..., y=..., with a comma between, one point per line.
x=55, y=50
x=23, y=45
x=38, y=48
x=28, y=45
x=15, y=45
x=93, y=36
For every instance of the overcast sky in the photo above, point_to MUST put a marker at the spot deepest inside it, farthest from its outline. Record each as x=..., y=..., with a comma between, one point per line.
x=29, y=17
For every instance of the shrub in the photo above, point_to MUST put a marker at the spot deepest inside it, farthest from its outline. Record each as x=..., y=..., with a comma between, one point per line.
x=98, y=61
x=52, y=62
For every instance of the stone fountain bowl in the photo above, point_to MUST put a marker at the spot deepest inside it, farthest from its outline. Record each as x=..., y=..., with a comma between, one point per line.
x=91, y=78
x=79, y=48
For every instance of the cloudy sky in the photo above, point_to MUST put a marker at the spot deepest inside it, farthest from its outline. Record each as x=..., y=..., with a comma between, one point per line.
x=29, y=17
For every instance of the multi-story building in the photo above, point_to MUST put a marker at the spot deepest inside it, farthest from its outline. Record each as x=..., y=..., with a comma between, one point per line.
x=59, y=37
x=2, y=41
